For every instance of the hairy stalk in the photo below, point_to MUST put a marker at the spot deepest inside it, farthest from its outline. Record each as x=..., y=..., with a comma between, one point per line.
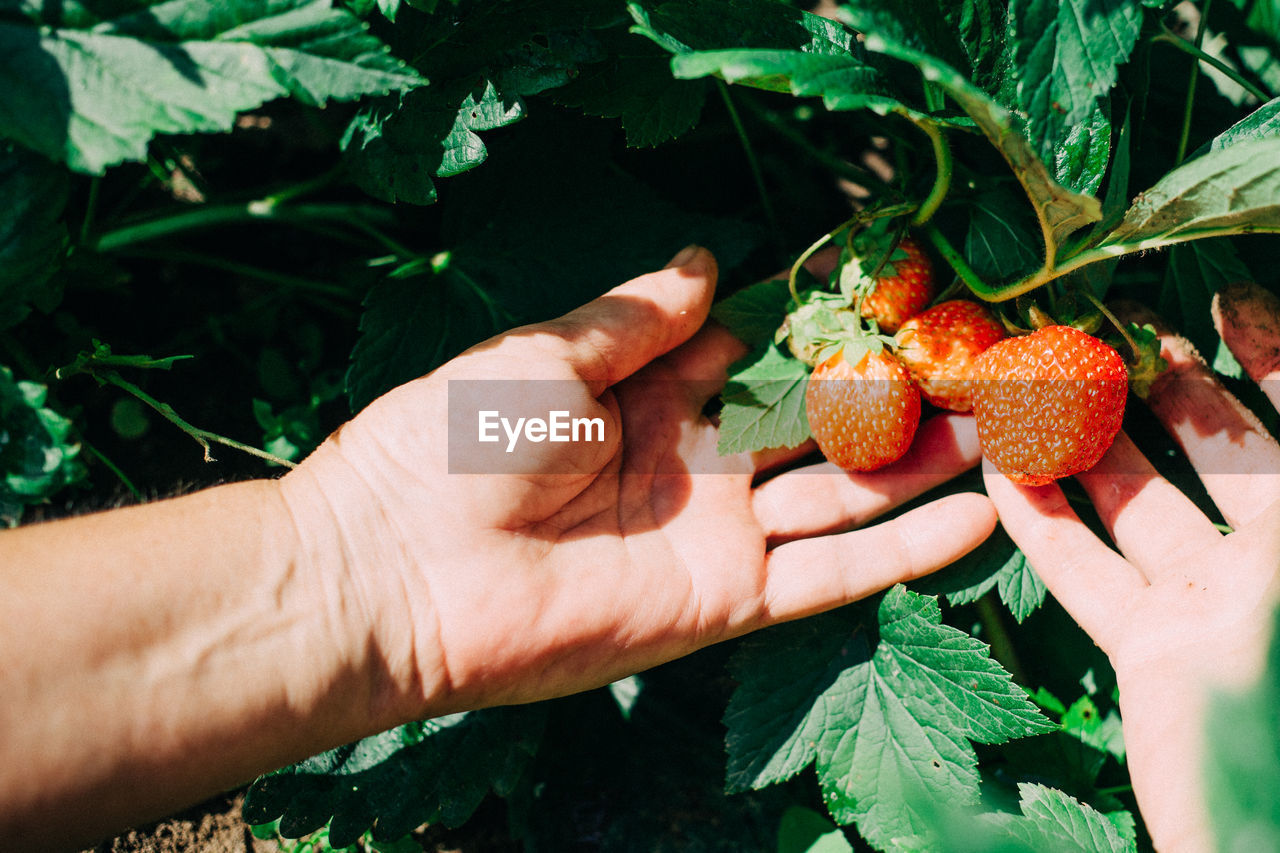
x=955, y=260
x=808, y=253
x=202, y=437
x=1105, y=252
x=866, y=215
x=1115, y=321
x=942, y=179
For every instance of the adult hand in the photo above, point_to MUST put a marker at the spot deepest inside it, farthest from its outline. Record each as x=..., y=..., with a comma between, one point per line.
x=598, y=559
x=210, y=638
x=1183, y=609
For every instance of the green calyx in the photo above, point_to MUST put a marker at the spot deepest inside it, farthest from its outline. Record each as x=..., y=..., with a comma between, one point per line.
x=1146, y=362
x=825, y=324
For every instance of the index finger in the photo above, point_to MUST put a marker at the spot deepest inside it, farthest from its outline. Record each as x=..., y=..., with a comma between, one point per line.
x=1093, y=583
x=613, y=336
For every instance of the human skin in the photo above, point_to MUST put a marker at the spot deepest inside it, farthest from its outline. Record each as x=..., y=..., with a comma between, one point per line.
x=1182, y=610
x=154, y=655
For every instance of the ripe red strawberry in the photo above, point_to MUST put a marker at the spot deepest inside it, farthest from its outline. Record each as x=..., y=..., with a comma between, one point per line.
x=863, y=416
x=939, y=346
x=903, y=289
x=1048, y=404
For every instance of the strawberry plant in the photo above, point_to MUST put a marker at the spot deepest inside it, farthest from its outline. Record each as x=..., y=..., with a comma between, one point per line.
x=299, y=205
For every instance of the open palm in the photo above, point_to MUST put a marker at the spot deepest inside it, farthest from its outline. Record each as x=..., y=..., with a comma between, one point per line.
x=591, y=560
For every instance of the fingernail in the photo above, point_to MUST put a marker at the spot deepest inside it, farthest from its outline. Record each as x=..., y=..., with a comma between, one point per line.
x=683, y=256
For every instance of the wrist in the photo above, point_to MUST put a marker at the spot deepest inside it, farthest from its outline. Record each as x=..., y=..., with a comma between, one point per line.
x=360, y=583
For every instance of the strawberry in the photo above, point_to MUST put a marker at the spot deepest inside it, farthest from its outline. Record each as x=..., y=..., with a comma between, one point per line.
x=862, y=415
x=903, y=288
x=1048, y=404
x=939, y=346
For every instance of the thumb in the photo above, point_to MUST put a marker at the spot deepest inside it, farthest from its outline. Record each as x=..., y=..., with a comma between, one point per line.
x=613, y=336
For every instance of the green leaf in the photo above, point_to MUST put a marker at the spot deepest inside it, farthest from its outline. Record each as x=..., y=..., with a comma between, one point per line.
x=432, y=771
x=1000, y=243
x=1242, y=760
x=774, y=49
x=1196, y=271
x=722, y=24
x=843, y=82
x=1259, y=124
x=1102, y=732
x=1080, y=158
x=1052, y=820
x=925, y=27
x=38, y=452
x=92, y=92
x=887, y=719
x=635, y=84
x=1066, y=56
x=805, y=831
x=995, y=564
x=754, y=313
x=33, y=238
x=981, y=27
x=1233, y=190
x=1061, y=211
x=764, y=403
x=413, y=324
x=395, y=146
x=516, y=258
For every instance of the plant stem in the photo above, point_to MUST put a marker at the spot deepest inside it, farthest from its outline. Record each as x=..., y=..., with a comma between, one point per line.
x=1107, y=251
x=1187, y=47
x=756, y=174
x=955, y=260
x=808, y=253
x=841, y=167
x=90, y=208
x=1002, y=648
x=1191, y=86
x=300, y=189
x=866, y=215
x=248, y=270
x=942, y=180
x=114, y=469
x=202, y=437
x=1115, y=789
x=221, y=214
x=1115, y=321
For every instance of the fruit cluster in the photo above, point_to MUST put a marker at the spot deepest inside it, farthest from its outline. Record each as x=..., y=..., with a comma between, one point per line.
x=1048, y=404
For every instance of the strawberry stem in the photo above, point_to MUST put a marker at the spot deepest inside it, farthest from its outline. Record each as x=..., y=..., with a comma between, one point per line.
x=1115, y=321
x=955, y=260
x=869, y=214
x=942, y=179
x=808, y=253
